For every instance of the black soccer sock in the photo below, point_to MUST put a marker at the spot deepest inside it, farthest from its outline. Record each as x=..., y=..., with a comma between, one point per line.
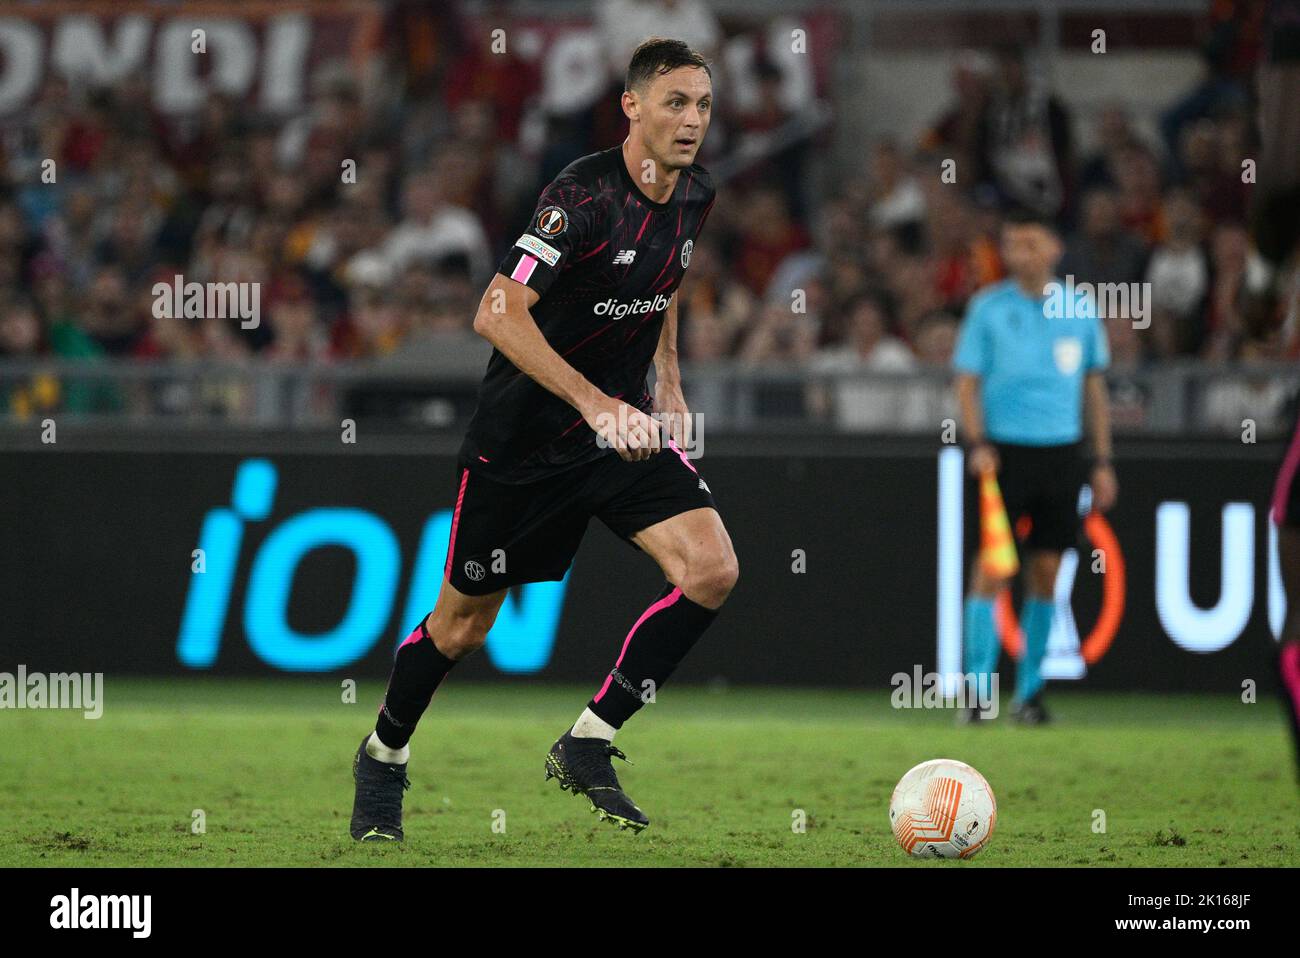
x=418, y=669
x=655, y=647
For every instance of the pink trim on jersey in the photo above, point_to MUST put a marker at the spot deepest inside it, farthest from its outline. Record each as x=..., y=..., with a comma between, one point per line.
x=580, y=420
x=1282, y=489
x=593, y=252
x=523, y=270
x=455, y=521
x=672, y=255
x=600, y=332
x=663, y=603
x=1290, y=662
x=689, y=465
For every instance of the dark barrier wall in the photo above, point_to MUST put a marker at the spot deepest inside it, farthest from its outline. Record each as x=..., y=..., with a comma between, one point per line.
x=321, y=562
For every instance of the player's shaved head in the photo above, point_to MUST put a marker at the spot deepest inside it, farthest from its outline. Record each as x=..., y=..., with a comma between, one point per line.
x=658, y=56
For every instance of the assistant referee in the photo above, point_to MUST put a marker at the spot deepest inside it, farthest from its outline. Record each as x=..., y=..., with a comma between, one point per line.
x=1028, y=362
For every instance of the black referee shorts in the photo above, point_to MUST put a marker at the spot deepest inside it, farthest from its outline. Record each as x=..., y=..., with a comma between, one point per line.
x=505, y=534
x=1040, y=487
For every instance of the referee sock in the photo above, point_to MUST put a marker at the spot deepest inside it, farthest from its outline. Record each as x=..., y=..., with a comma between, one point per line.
x=1036, y=622
x=980, y=641
x=656, y=645
x=418, y=669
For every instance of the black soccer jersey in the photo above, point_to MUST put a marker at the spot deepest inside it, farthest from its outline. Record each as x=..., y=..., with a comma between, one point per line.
x=606, y=261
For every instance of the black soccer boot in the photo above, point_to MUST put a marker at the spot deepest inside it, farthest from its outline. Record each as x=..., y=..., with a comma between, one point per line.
x=583, y=766
x=377, y=805
x=1031, y=712
x=973, y=715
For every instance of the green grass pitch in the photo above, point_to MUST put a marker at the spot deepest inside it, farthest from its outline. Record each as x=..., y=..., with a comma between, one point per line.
x=1182, y=780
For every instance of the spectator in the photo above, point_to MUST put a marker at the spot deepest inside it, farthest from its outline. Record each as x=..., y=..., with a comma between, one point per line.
x=956, y=134
x=297, y=336
x=1179, y=274
x=1137, y=194
x=781, y=335
x=870, y=346
x=625, y=23
x=115, y=327
x=1240, y=301
x=896, y=199
x=931, y=400
x=857, y=403
x=1130, y=391
x=433, y=228
x=936, y=338
x=1262, y=399
x=1114, y=135
x=768, y=235
x=710, y=300
x=1102, y=251
x=1024, y=145
x=20, y=338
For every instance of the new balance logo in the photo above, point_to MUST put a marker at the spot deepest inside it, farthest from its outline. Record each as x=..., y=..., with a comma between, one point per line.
x=624, y=257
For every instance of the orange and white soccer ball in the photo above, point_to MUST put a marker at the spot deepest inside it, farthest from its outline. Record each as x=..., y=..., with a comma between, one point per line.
x=943, y=809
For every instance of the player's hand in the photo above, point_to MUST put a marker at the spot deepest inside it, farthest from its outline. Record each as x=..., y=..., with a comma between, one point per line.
x=981, y=459
x=670, y=403
x=1105, y=487
x=634, y=435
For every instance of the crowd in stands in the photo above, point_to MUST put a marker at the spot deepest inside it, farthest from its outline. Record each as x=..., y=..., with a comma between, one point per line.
x=880, y=266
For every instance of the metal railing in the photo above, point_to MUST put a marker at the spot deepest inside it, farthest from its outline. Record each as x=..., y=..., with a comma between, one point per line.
x=1171, y=399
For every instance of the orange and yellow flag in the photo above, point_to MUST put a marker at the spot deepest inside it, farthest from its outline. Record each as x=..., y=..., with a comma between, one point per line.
x=997, y=554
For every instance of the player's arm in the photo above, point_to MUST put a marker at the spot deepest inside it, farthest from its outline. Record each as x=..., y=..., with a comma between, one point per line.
x=669, y=400
x=1096, y=401
x=504, y=320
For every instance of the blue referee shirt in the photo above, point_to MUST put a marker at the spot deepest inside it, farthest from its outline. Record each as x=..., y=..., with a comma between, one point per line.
x=1031, y=355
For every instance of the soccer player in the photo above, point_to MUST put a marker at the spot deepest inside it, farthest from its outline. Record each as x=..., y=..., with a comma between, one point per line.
x=1286, y=515
x=1027, y=364
x=564, y=431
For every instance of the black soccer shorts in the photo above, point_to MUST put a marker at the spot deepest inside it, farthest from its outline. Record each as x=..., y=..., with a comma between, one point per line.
x=1040, y=487
x=505, y=534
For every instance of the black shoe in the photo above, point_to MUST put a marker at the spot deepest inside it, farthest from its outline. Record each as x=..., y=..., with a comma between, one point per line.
x=1031, y=712
x=583, y=766
x=377, y=806
x=973, y=715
